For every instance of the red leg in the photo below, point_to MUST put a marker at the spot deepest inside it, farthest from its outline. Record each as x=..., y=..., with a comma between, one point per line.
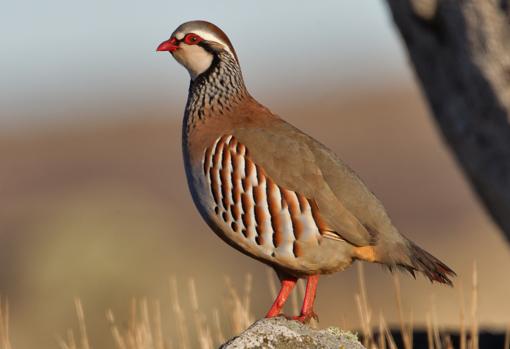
x=286, y=287
x=307, y=312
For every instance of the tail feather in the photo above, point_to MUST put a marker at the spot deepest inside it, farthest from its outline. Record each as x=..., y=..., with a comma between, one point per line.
x=429, y=265
x=408, y=257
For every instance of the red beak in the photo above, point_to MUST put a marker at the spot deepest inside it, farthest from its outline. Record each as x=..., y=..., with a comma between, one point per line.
x=169, y=45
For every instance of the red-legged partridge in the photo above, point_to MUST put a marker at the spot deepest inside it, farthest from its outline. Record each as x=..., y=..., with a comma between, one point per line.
x=271, y=191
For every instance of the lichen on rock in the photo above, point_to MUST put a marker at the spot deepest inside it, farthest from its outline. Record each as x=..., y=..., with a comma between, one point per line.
x=280, y=333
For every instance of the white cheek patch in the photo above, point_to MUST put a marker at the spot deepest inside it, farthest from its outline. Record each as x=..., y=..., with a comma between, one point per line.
x=194, y=58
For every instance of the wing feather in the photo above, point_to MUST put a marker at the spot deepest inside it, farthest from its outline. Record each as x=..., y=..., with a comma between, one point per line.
x=299, y=163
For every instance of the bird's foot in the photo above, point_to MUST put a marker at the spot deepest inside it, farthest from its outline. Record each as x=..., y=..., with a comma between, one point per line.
x=277, y=315
x=305, y=318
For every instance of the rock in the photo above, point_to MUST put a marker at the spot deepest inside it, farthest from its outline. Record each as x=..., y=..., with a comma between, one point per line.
x=280, y=333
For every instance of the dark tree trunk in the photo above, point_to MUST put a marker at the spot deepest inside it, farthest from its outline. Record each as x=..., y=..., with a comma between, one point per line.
x=460, y=50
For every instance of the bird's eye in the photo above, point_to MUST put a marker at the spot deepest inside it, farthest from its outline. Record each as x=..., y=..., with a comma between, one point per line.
x=192, y=39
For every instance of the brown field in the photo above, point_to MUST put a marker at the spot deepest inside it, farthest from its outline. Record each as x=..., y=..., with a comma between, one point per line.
x=100, y=210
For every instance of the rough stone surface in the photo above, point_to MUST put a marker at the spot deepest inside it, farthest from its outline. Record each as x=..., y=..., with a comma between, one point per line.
x=280, y=333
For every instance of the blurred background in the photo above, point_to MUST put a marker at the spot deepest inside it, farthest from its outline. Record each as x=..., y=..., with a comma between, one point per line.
x=93, y=200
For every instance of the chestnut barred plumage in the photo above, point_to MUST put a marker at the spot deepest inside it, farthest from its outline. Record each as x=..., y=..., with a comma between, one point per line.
x=277, y=223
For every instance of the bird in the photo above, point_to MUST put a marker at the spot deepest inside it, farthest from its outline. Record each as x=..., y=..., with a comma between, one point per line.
x=270, y=190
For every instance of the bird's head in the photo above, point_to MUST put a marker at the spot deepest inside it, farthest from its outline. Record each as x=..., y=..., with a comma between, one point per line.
x=195, y=44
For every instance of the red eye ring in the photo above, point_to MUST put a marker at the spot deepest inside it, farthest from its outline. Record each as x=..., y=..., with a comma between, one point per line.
x=192, y=39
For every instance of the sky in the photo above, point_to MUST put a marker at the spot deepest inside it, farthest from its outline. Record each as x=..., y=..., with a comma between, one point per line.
x=60, y=58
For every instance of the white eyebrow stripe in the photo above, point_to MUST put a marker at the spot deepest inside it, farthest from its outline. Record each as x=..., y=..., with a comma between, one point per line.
x=208, y=36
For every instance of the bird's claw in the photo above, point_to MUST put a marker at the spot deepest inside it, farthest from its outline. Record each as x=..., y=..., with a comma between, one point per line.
x=277, y=315
x=305, y=318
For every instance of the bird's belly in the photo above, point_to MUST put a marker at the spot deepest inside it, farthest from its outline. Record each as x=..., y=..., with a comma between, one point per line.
x=239, y=209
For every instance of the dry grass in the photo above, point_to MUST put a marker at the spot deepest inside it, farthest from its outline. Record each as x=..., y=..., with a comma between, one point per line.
x=145, y=328
x=70, y=342
x=5, y=342
x=437, y=337
x=473, y=344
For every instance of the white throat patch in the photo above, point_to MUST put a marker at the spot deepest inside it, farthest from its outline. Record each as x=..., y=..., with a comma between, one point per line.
x=194, y=58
